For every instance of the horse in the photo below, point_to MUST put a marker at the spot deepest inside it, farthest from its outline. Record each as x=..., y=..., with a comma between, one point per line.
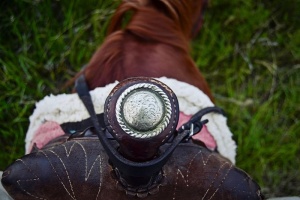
x=154, y=43
x=166, y=150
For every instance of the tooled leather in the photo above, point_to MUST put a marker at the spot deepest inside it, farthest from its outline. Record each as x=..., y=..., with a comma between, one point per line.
x=79, y=169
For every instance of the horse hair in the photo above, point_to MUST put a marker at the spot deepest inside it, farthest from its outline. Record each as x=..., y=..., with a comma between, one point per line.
x=154, y=43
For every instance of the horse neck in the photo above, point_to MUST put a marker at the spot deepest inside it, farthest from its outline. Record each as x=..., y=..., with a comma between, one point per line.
x=153, y=44
x=151, y=25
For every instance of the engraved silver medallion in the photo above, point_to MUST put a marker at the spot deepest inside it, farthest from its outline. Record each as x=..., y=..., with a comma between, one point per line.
x=143, y=110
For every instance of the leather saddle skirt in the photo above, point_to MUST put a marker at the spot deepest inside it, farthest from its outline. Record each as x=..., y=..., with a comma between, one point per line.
x=79, y=169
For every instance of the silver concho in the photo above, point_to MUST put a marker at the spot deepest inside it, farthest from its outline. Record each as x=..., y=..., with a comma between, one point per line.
x=143, y=110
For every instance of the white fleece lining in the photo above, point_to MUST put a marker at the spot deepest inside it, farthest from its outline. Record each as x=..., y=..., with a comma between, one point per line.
x=64, y=108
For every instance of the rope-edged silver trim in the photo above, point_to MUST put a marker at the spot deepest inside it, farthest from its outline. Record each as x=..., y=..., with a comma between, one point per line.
x=143, y=110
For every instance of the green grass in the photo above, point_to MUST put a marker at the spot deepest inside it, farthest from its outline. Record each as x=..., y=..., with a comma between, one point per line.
x=248, y=50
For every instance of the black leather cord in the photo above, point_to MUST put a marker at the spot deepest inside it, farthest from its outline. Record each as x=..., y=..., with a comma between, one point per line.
x=148, y=169
x=125, y=166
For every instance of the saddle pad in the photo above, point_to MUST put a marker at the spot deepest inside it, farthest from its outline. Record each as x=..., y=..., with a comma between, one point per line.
x=64, y=108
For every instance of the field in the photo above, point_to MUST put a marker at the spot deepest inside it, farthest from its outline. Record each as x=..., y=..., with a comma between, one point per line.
x=249, y=51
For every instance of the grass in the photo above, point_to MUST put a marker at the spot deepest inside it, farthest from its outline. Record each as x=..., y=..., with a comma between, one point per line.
x=248, y=50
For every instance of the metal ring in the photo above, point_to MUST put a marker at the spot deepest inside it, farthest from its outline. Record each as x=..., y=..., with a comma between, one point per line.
x=143, y=110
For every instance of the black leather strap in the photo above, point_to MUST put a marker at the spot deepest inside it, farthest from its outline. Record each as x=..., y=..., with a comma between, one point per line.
x=126, y=167
x=196, y=122
x=73, y=127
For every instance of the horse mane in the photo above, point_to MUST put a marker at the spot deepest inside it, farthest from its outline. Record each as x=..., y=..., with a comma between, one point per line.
x=179, y=11
x=154, y=43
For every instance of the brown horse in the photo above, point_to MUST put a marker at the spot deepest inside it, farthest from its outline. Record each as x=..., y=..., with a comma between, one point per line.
x=154, y=43
x=65, y=159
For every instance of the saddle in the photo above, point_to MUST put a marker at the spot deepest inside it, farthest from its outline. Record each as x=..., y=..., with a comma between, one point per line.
x=132, y=150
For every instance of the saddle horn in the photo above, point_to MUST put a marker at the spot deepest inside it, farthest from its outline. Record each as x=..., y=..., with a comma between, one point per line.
x=141, y=114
